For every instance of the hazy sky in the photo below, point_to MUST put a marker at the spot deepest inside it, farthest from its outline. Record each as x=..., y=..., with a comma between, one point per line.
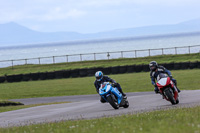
x=88, y=16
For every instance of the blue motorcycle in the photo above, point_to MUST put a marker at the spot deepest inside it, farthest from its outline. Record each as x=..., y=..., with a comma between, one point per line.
x=113, y=96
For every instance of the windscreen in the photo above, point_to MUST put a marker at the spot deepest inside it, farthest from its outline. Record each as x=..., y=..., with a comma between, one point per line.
x=161, y=75
x=103, y=84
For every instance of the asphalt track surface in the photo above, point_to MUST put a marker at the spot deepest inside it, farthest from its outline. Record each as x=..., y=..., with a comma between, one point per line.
x=89, y=107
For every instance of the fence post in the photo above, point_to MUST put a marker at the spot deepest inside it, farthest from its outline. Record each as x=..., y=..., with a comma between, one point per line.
x=175, y=50
x=162, y=52
x=25, y=61
x=67, y=58
x=135, y=54
x=189, y=49
x=94, y=56
x=80, y=57
x=149, y=53
x=39, y=60
x=108, y=55
x=12, y=64
x=122, y=54
x=53, y=59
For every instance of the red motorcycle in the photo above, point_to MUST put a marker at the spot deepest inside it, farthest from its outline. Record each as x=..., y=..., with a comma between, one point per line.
x=167, y=88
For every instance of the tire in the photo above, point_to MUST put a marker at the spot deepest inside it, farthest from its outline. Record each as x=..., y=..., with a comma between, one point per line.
x=177, y=101
x=169, y=96
x=112, y=102
x=126, y=105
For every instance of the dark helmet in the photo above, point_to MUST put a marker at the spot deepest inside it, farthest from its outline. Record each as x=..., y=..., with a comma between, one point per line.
x=153, y=65
x=99, y=75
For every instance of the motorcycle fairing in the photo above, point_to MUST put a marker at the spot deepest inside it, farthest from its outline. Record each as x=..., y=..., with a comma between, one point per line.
x=163, y=82
x=118, y=94
x=106, y=89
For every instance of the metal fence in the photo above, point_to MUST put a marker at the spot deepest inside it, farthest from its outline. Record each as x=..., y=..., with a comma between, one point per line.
x=102, y=56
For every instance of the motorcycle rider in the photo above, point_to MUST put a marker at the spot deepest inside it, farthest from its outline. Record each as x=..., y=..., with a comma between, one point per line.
x=100, y=78
x=155, y=71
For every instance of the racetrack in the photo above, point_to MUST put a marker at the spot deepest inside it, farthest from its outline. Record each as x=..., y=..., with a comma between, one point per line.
x=89, y=106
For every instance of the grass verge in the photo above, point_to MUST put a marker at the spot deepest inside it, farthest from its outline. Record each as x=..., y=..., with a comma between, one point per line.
x=181, y=120
x=22, y=69
x=131, y=82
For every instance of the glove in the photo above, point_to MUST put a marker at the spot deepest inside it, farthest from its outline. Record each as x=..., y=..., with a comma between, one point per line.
x=114, y=84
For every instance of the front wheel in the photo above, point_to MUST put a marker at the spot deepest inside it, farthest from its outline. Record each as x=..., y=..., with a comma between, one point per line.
x=169, y=95
x=113, y=103
x=177, y=101
x=126, y=105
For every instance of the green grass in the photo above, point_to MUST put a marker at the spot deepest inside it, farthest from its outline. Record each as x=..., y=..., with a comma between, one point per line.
x=181, y=120
x=100, y=63
x=131, y=82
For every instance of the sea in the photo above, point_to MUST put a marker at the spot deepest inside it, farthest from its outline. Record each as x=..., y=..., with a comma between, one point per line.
x=96, y=49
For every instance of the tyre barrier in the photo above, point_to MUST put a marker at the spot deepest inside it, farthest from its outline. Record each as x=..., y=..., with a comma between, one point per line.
x=138, y=68
x=10, y=78
x=18, y=78
x=75, y=73
x=198, y=64
x=83, y=72
x=122, y=69
x=115, y=70
x=185, y=65
x=91, y=71
x=35, y=76
x=106, y=70
x=2, y=79
x=43, y=76
x=169, y=66
x=66, y=73
x=50, y=75
x=145, y=68
x=14, y=78
x=131, y=69
x=59, y=74
x=193, y=65
x=177, y=66
x=26, y=77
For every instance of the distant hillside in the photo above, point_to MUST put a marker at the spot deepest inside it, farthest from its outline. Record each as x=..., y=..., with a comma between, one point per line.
x=15, y=34
x=12, y=33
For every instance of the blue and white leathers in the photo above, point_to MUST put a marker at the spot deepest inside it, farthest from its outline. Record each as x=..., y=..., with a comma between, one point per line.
x=106, y=90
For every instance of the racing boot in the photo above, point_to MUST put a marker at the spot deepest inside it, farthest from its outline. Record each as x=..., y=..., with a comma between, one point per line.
x=123, y=94
x=178, y=90
x=175, y=82
x=156, y=90
x=120, y=89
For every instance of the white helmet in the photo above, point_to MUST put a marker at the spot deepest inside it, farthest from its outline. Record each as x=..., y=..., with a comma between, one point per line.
x=99, y=75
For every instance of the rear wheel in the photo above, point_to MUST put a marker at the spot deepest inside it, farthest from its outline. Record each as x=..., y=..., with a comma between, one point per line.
x=169, y=95
x=112, y=102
